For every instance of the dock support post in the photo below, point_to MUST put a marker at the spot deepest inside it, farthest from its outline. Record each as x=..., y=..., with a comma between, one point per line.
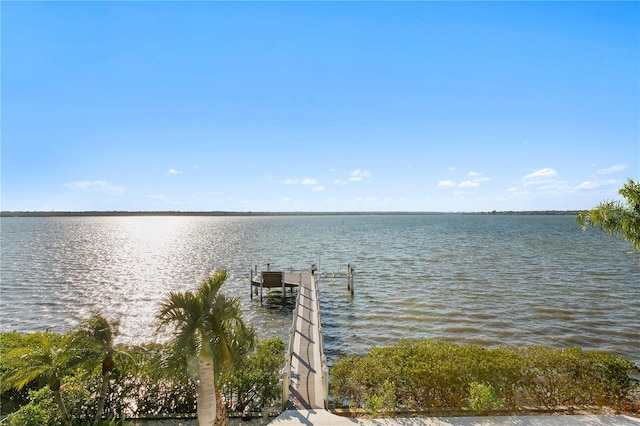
x=255, y=274
x=292, y=333
x=286, y=382
x=325, y=386
x=350, y=278
x=251, y=283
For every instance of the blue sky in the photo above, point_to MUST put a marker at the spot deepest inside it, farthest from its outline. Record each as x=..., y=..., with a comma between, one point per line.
x=318, y=106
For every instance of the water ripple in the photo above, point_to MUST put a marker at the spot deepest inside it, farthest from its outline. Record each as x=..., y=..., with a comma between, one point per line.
x=489, y=280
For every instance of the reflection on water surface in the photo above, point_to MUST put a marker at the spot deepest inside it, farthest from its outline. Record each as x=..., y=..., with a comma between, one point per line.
x=491, y=280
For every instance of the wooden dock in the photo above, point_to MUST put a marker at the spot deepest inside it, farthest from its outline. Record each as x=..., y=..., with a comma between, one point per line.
x=278, y=279
x=309, y=375
x=305, y=376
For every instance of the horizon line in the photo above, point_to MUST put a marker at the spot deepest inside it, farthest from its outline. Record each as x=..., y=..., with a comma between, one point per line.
x=43, y=213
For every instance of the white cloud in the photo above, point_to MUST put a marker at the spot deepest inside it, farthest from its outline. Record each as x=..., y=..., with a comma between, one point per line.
x=468, y=184
x=516, y=191
x=542, y=173
x=597, y=184
x=588, y=185
x=173, y=172
x=474, y=182
x=355, y=176
x=452, y=169
x=358, y=175
x=318, y=188
x=540, y=177
x=555, y=187
x=97, y=186
x=286, y=200
x=303, y=181
x=612, y=169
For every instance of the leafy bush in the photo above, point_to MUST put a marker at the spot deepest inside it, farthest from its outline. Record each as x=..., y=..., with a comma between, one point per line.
x=482, y=398
x=151, y=379
x=13, y=399
x=433, y=375
x=381, y=401
x=256, y=385
x=42, y=409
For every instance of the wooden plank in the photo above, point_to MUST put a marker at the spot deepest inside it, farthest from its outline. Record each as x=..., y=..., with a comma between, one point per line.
x=306, y=366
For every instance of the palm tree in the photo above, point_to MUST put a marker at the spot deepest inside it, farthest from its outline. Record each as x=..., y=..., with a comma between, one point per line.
x=615, y=218
x=204, y=323
x=48, y=356
x=97, y=334
x=241, y=341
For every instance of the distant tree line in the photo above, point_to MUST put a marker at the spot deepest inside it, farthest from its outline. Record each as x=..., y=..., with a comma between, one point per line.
x=230, y=213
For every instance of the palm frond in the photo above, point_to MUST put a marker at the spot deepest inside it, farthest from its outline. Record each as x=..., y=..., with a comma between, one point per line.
x=22, y=366
x=46, y=355
x=185, y=313
x=615, y=218
x=211, y=285
x=179, y=309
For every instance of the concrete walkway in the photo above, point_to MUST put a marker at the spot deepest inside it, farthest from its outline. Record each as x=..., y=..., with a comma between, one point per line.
x=325, y=418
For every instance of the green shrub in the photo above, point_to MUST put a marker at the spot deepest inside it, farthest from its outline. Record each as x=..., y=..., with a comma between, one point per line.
x=255, y=385
x=12, y=399
x=383, y=398
x=482, y=398
x=437, y=375
x=152, y=379
x=41, y=410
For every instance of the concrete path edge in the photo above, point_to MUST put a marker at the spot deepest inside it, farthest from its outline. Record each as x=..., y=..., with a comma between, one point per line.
x=326, y=418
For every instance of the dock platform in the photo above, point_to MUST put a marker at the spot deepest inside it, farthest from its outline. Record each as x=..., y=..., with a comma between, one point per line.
x=305, y=375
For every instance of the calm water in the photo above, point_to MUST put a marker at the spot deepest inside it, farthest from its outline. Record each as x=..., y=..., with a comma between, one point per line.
x=491, y=280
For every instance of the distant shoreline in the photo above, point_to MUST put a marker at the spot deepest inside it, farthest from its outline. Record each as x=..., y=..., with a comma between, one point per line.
x=253, y=214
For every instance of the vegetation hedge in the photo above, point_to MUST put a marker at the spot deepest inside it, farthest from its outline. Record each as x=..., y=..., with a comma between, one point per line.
x=148, y=380
x=436, y=375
